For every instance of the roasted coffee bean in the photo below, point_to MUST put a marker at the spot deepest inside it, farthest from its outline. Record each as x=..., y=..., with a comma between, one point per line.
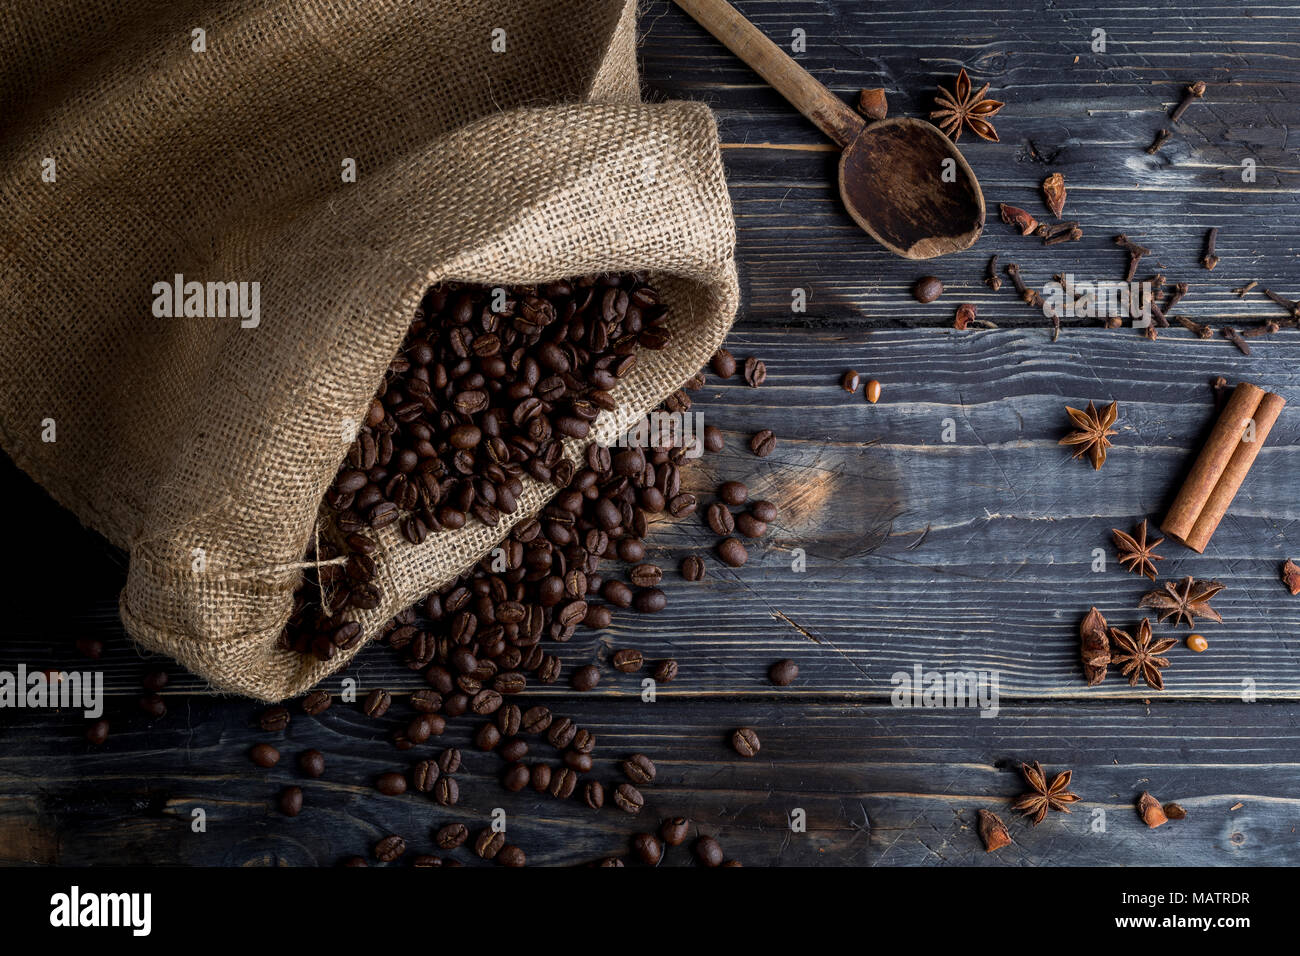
x=783, y=673
x=424, y=775
x=708, y=851
x=154, y=681
x=377, y=702
x=97, y=733
x=675, y=831
x=650, y=600
x=422, y=727
x=446, y=791
x=639, y=769
x=719, y=519
x=762, y=443
x=732, y=552
x=693, y=568
x=389, y=849
x=724, y=365
x=628, y=798
x=264, y=755
x=514, y=749
x=451, y=836
x=647, y=848
x=734, y=493
x=153, y=705
x=540, y=777
x=645, y=575
x=515, y=778
x=713, y=439
x=598, y=617
x=488, y=737
x=666, y=671
x=585, y=678
x=617, y=593
x=510, y=720
x=511, y=855
x=426, y=701
x=927, y=288
x=681, y=505
x=485, y=702
x=455, y=705
x=291, y=801
x=317, y=702
x=312, y=763
x=536, y=720
x=627, y=661
x=750, y=526
x=755, y=372
x=745, y=742
x=511, y=682
x=764, y=511
x=578, y=761
x=355, y=861
x=426, y=860
x=391, y=784
x=563, y=783
x=449, y=760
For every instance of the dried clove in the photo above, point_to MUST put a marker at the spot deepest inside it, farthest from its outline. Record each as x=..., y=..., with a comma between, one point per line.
x=1029, y=295
x=1015, y=216
x=1268, y=328
x=993, y=280
x=1233, y=336
x=1180, y=290
x=1241, y=291
x=1158, y=143
x=1193, y=92
x=1200, y=331
x=1221, y=391
x=1291, y=306
x=1210, y=260
x=1074, y=234
x=1135, y=254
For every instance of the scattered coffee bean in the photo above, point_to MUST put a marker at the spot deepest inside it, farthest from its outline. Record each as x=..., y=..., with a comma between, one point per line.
x=563, y=783
x=446, y=791
x=378, y=702
x=514, y=749
x=488, y=737
x=627, y=661
x=675, y=830
x=312, y=763
x=154, y=706
x=647, y=848
x=451, y=836
x=317, y=702
x=541, y=777
x=511, y=855
x=764, y=511
x=783, y=673
x=97, y=733
x=536, y=720
x=639, y=769
x=666, y=671
x=645, y=575
x=723, y=363
x=708, y=851
x=750, y=526
x=154, y=681
x=426, y=860
x=291, y=801
x=755, y=372
x=693, y=568
x=732, y=552
x=427, y=701
x=449, y=760
x=515, y=778
x=734, y=493
x=585, y=678
x=719, y=519
x=389, y=849
x=264, y=755
x=424, y=775
x=391, y=784
x=650, y=600
x=628, y=798
x=593, y=794
x=763, y=443
x=745, y=741
x=713, y=439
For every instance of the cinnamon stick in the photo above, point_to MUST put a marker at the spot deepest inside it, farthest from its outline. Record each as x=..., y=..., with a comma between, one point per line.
x=1222, y=465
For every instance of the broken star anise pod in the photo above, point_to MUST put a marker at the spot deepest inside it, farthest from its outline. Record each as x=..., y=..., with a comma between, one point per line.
x=1045, y=797
x=1140, y=658
x=1134, y=552
x=1094, y=647
x=961, y=108
x=1186, y=599
x=1093, y=432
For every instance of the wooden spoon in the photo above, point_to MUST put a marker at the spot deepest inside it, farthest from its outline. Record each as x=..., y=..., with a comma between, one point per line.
x=892, y=172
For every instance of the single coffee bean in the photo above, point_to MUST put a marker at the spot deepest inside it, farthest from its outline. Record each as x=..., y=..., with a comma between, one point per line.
x=755, y=372
x=541, y=777
x=723, y=363
x=745, y=741
x=681, y=505
x=511, y=855
x=578, y=761
x=734, y=493
x=593, y=794
x=708, y=851
x=488, y=737
x=927, y=288
x=617, y=593
x=451, y=836
x=355, y=861
x=732, y=552
x=424, y=775
x=713, y=439
x=645, y=575
x=426, y=701
x=563, y=783
x=154, y=681
x=485, y=702
x=650, y=600
x=628, y=798
x=647, y=848
x=264, y=755
x=693, y=568
x=675, y=830
x=561, y=732
x=291, y=801
x=515, y=778
x=449, y=760
x=154, y=706
x=639, y=769
x=446, y=791
x=389, y=849
x=312, y=763
x=421, y=727
x=425, y=860
x=783, y=673
x=849, y=381
x=536, y=720
x=378, y=702
x=391, y=784
x=666, y=671
x=514, y=749
x=97, y=733
x=763, y=443
x=317, y=702
x=585, y=677
x=719, y=519
x=510, y=720
x=764, y=511
x=628, y=661
x=750, y=526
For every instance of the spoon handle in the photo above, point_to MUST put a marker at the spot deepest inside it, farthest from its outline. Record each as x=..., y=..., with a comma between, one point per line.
x=831, y=115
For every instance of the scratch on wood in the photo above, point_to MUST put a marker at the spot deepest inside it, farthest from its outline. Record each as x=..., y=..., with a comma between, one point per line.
x=802, y=630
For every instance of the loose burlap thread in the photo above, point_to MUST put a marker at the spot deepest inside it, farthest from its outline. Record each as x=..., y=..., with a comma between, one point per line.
x=204, y=448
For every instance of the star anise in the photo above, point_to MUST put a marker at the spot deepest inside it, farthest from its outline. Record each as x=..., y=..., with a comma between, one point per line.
x=961, y=108
x=1134, y=552
x=1094, y=647
x=1140, y=658
x=1094, y=431
x=1186, y=599
x=1054, y=797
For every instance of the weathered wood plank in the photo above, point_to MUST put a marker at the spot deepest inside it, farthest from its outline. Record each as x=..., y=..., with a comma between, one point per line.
x=878, y=785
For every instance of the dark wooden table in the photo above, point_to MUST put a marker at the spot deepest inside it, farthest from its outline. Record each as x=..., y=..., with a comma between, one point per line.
x=942, y=528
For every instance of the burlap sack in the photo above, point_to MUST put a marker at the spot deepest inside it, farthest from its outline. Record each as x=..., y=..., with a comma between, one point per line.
x=205, y=447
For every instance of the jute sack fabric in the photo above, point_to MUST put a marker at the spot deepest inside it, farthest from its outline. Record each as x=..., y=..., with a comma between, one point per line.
x=135, y=149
